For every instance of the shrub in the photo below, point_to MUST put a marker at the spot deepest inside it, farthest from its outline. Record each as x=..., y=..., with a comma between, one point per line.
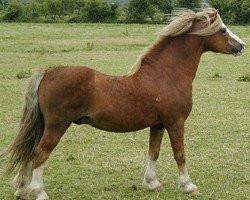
x=140, y=11
x=189, y=3
x=31, y=12
x=13, y=11
x=99, y=11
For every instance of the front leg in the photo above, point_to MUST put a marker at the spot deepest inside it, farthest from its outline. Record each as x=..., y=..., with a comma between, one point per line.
x=150, y=180
x=176, y=135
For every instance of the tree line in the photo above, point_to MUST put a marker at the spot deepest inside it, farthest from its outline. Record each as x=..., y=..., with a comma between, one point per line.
x=134, y=11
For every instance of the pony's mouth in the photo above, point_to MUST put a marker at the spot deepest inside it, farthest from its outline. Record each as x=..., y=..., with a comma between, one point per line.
x=238, y=50
x=239, y=53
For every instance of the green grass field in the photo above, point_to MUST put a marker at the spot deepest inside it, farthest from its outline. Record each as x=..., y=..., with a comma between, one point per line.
x=92, y=164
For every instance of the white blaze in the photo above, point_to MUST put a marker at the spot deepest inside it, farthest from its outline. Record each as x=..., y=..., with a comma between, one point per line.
x=232, y=35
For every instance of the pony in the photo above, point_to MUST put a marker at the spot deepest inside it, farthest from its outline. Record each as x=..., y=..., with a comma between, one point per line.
x=156, y=93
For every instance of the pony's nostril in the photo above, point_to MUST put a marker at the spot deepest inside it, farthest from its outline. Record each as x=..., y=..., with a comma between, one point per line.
x=238, y=48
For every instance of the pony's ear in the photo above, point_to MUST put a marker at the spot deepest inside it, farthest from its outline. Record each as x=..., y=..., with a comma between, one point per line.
x=214, y=16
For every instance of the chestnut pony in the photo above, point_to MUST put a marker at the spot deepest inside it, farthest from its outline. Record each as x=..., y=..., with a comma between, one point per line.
x=157, y=93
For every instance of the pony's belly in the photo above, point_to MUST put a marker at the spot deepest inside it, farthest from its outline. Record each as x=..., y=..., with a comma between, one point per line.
x=116, y=125
x=117, y=128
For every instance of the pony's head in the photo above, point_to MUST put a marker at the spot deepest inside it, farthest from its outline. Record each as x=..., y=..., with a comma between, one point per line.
x=217, y=37
x=208, y=24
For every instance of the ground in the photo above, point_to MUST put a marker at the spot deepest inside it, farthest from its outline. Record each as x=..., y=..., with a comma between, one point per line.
x=92, y=164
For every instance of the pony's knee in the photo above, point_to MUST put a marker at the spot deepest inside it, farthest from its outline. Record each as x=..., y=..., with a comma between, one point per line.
x=180, y=158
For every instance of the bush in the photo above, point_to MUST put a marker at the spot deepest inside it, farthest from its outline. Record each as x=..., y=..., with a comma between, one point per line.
x=234, y=11
x=241, y=10
x=31, y=12
x=140, y=11
x=53, y=8
x=75, y=19
x=189, y=3
x=135, y=11
x=99, y=11
x=13, y=11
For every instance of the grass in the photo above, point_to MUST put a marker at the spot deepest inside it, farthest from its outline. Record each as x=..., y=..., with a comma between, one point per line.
x=216, y=76
x=244, y=78
x=92, y=164
x=23, y=74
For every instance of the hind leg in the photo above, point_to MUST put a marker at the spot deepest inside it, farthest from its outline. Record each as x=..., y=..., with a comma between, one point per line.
x=48, y=142
x=22, y=180
x=150, y=181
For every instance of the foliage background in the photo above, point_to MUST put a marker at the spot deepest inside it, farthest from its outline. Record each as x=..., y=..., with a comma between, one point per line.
x=115, y=11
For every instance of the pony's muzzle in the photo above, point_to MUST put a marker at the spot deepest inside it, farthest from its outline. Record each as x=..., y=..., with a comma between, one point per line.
x=238, y=49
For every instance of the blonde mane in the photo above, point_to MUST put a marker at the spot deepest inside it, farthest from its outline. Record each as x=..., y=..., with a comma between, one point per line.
x=181, y=21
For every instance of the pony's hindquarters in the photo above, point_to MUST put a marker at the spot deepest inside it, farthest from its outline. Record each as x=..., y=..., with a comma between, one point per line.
x=37, y=137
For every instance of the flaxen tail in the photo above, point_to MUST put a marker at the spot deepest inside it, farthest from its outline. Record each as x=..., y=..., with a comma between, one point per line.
x=31, y=127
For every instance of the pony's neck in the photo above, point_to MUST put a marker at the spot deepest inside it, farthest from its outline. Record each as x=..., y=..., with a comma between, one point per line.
x=176, y=57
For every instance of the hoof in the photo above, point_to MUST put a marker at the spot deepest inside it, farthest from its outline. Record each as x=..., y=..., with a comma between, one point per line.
x=194, y=193
x=36, y=191
x=22, y=198
x=189, y=188
x=33, y=190
x=153, y=185
x=158, y=189
x=42, y=196
x=21, y=195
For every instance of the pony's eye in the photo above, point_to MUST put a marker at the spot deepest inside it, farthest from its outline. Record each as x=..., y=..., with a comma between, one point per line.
x=223, y=30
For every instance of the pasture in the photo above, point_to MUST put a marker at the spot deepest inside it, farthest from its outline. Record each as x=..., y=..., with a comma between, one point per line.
x=93, y=164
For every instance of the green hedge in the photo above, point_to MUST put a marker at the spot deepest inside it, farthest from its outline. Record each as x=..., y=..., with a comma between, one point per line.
x=135, y=11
